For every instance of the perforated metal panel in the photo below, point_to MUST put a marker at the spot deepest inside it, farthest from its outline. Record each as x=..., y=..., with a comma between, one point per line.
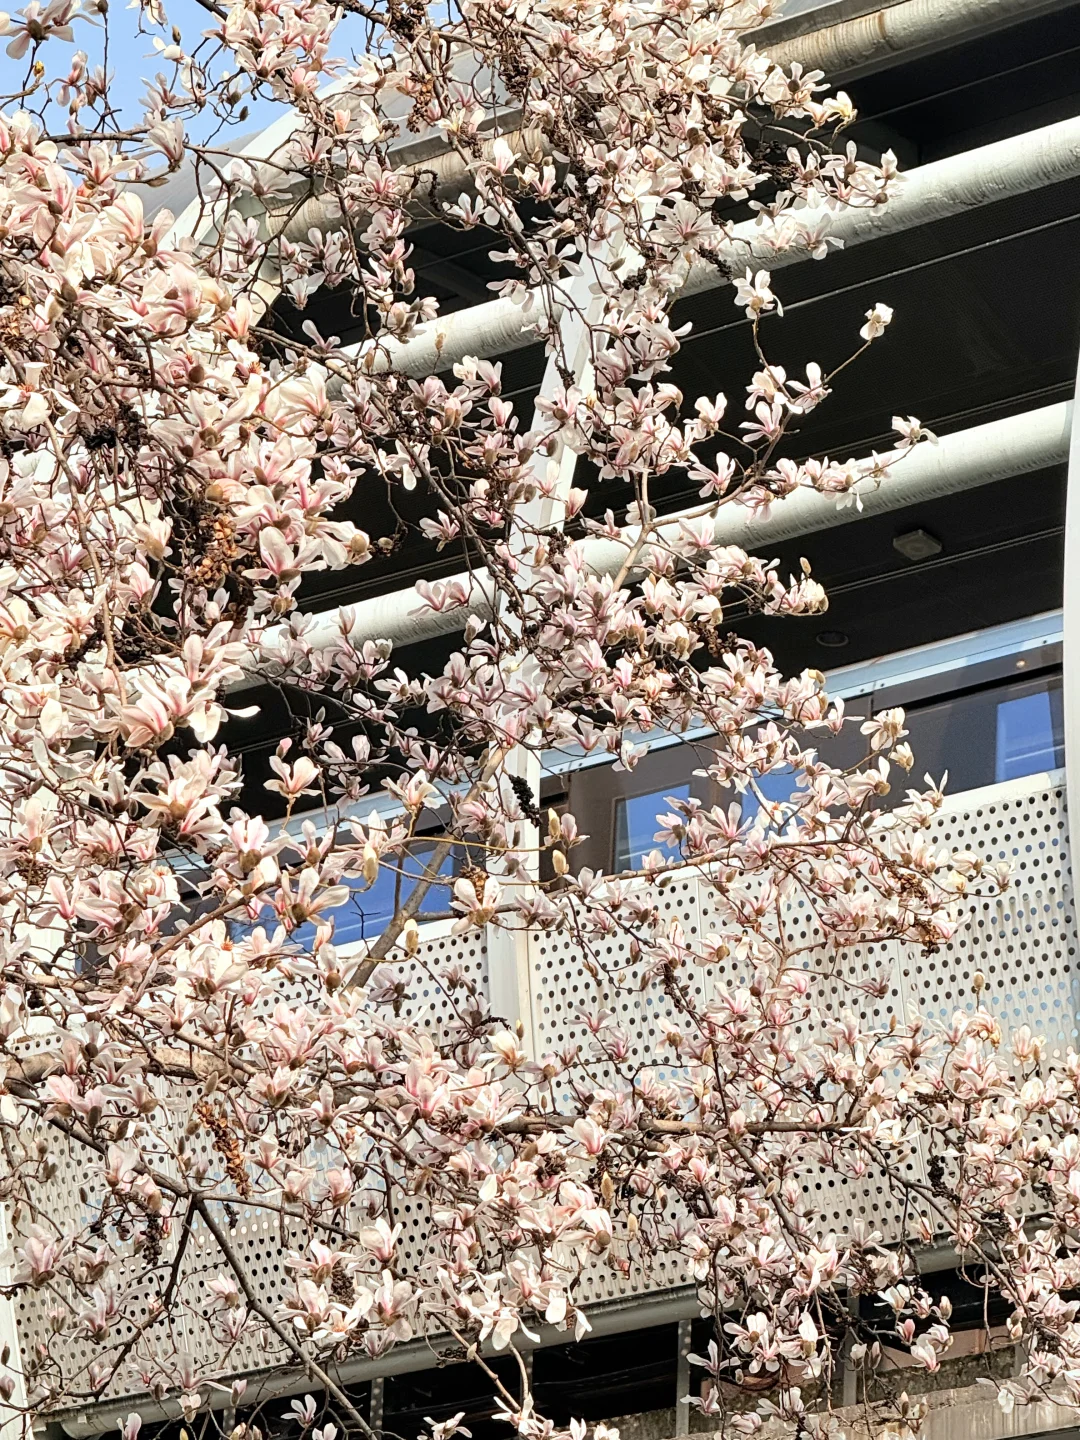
x=260, y=1237
x=263, y=1239
x=563, y=983
x=67, y=1198
x=1025, y=943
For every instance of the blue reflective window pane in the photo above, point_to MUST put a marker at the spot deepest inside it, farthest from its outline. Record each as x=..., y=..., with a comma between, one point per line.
x=636, y=824
x=368, y=911
x=777, y=785
x=1025, y=737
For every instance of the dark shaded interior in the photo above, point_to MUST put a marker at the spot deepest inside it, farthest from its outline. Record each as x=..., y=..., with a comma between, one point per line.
x=987, y=319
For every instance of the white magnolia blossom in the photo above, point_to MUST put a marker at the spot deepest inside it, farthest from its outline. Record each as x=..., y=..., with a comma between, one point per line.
x=171, y=471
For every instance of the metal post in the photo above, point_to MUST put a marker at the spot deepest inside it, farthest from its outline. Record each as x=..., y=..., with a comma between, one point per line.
x=682, y=1379
x=1070, y=625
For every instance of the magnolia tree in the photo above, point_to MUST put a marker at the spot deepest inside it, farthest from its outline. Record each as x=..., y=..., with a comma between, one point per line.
x=177, y=1022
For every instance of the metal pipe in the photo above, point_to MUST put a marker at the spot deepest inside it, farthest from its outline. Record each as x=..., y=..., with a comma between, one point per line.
x=891, y=34
x=1020, y=445
x=438, y=171
x=1007, y=168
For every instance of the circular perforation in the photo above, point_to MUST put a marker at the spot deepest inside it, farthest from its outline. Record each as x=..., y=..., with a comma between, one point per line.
x=1024, y=942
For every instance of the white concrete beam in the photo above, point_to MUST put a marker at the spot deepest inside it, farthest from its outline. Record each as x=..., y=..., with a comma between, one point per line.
x=891, y=34
x=1022, y=444
x=1016, y=166
x=872, y=40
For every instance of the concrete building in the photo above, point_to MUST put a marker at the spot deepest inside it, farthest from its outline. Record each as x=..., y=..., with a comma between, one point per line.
x=956, y=593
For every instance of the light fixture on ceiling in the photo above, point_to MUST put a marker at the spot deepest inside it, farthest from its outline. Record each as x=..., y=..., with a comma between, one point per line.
x=832, y=639
x=917, y=545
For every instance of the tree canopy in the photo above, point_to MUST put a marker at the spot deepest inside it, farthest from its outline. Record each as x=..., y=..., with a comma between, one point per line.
x=182, y=449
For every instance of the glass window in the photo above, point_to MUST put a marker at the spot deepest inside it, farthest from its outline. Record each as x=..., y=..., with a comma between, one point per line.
x=1000, y=733
x=778, y=786
x=1029, y=737
x=616, y=810
x=636, y=825
x=368, y=911
x=1006, y=728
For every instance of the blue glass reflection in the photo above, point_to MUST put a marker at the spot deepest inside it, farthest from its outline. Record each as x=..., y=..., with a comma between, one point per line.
x=1026, y=742
x=778, y=786
x=636, y=824
x=368, y=911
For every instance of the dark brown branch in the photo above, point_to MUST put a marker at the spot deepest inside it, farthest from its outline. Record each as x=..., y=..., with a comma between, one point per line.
x=313, y=1370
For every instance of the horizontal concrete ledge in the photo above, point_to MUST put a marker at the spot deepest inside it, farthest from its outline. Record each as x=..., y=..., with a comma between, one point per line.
x=845, y=44
x=970, y=1413
x=1017, y=166
x=1022, y=444
x=613, y=1317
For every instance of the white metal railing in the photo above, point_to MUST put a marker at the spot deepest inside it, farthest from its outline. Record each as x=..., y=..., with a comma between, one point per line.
x=1025, y=943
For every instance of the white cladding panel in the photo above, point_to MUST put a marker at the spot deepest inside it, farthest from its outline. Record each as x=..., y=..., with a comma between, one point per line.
x=1025, y=944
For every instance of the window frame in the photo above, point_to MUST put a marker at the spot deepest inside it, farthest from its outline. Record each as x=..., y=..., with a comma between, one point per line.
x=589, y=784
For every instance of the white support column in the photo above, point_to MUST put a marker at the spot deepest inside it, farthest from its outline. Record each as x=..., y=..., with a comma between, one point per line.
x=1070, y=646
x=13, y=1424
x=508, y=957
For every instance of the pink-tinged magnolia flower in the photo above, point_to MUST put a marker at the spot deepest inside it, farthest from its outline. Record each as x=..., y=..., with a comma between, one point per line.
x=754, y=293
x=877, y=320
x=228, y=1012
x=294, y=780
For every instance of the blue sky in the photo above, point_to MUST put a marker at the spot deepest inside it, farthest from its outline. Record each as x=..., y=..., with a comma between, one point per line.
x=132, y=58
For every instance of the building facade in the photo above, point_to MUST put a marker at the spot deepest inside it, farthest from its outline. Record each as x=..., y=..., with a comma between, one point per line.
x=953, y=593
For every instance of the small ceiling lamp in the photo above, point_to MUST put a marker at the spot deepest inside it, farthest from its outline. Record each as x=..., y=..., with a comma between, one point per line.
x=917, y=545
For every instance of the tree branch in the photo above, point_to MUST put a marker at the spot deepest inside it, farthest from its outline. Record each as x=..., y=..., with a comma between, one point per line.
x=313, y=1370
